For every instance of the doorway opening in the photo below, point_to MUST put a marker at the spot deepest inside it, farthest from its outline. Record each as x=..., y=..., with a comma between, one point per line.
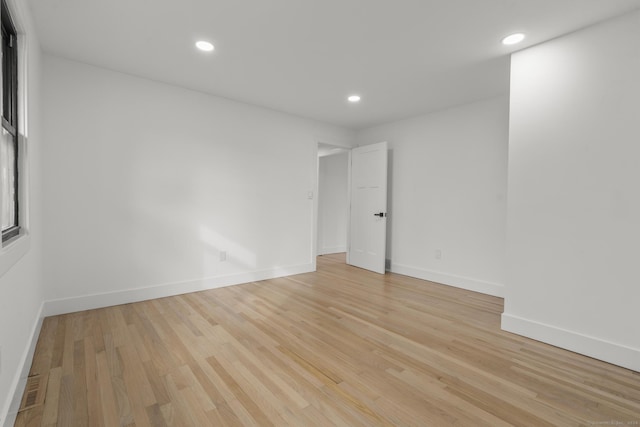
x=333, y=202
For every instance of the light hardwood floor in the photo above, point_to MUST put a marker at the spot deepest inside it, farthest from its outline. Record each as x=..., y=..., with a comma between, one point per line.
x=339, y=347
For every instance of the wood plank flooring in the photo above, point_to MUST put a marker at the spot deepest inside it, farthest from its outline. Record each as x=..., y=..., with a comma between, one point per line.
x=339, y=347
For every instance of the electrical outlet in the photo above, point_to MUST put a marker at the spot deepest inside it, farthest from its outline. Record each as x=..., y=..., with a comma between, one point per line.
x=438, y=254
x=223, y=255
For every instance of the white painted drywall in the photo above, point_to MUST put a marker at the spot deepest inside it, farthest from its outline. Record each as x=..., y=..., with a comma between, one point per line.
x=21, y=284
x=574, y=199
x=146, y=184
x=447, y=193
x=333, y=203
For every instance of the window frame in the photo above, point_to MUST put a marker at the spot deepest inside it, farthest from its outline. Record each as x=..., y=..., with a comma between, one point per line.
x=10, y=119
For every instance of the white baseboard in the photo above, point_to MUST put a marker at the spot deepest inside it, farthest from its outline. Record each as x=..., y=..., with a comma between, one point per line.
x=90, y=302
x=332, y=250
x=468, y=283
x=16, y=390
x=616, y=354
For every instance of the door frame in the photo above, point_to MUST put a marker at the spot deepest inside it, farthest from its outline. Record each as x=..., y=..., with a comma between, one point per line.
x=316, y=188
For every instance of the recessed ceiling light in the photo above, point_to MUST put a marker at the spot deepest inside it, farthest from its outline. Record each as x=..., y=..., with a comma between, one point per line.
x=204, y=46
x=513, y=39
x=354, y=98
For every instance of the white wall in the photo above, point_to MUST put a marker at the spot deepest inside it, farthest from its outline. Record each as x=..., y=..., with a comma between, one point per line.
x=574, y=199
x=333, y=203
x=447, y=193
x=147, y=183
x=21, y=284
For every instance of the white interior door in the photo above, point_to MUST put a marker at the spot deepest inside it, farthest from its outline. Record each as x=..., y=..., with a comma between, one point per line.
x=368, y=221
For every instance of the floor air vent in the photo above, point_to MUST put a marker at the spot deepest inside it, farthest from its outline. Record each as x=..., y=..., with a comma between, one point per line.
x=34, y=392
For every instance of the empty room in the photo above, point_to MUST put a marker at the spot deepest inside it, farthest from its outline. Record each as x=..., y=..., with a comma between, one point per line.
x=320, y=213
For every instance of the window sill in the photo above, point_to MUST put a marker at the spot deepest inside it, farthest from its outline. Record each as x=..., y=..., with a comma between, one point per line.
x=13, y=251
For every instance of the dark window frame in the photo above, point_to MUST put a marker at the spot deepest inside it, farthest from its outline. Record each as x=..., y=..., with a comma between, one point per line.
x=10, y=106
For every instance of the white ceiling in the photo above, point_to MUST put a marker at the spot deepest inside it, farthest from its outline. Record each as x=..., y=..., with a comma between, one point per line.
x=404, y=57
